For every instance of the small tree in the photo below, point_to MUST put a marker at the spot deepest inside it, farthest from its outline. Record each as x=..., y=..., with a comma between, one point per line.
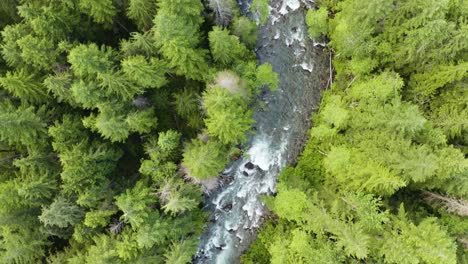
x=61, y=213
x=225, y=48
x=317, y=21
x=204, y=160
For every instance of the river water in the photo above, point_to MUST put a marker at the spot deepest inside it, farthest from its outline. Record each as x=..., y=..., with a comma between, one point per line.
x=280, y=132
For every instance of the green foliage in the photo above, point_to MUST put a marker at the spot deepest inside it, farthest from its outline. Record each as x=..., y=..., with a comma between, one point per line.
x=86, y=166
x=186, y=104
x=181, y=253
x=89, y=59
x=22, y=245
x=227, y=116
x=142, y=12
x=101, y=12
x=146, y=74
x=266, y=76
x=260, y=9
x=83, y=176
x=425, y=85
x=426, y=242
x=37, y=51
x=98, y=218
x=372, y=147
x=178, y=197
x=317, y=22
x=25, y=86
x=176, y=32
x=246, y=30
x=21, y=126
x=204, y=160
x=134, y=205
x=115, y=125
x=61, y=213
x=225, y=48
x=59, y=86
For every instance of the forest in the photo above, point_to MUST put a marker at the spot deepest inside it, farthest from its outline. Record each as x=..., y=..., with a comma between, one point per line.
x=384, y=175
x=113, y=114
x=116, y=115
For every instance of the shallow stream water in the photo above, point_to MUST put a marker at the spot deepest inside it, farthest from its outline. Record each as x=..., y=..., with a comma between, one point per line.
x=280, y=131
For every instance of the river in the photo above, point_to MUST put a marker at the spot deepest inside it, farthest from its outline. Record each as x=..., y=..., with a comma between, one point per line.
x=280, y=132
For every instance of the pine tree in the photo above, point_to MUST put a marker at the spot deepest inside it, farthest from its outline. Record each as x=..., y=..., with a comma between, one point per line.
x=24, y=86
x=89, y=59
x=317, y=22
x=181, y=252
x=21, y=127
x=98, y=218
x=426, y=242
x=59, y=86
x=23, y=245
x=142, y=12
x=102, y=12
x=204, y=160
x=61, y=213
x=227, y=115
x=116, y=84
x=134, y=204
x=85, y=166
x=143, y=73
x=246, y=30
x=225, y=48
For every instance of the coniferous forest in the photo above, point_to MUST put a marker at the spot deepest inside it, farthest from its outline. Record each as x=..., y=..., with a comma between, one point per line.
x=117, y=115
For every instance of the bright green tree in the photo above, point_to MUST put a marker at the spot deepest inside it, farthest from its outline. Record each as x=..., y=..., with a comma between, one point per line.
x=142, y=12
x=204, y=160
x=101, y=12
x=89, y=59
x=317, y=22
x=227, y=115
x=134, y=204
x=144, y=73
x=24, y=86
x=225, y=48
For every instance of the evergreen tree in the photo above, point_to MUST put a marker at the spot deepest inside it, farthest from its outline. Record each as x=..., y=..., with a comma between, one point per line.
x=143, y=73
x=61, y=213
x=89, y=59
x=246, y=30
x=204, y=160
x=102, y=12
x=227, y=115
x=21, y=127
x=317, y=22
x=24, y=86
x=134, y=204
x=225, y=48
x=142, y=12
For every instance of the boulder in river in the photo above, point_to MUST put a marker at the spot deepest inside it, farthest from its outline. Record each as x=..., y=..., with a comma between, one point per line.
x=249, y=165
x=227, y=207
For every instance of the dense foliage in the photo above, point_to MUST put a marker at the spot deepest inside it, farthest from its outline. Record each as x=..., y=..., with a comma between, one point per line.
x=384, y=175
x=100, y=106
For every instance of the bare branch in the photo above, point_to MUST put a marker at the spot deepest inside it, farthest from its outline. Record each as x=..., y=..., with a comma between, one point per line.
x=452, y=205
